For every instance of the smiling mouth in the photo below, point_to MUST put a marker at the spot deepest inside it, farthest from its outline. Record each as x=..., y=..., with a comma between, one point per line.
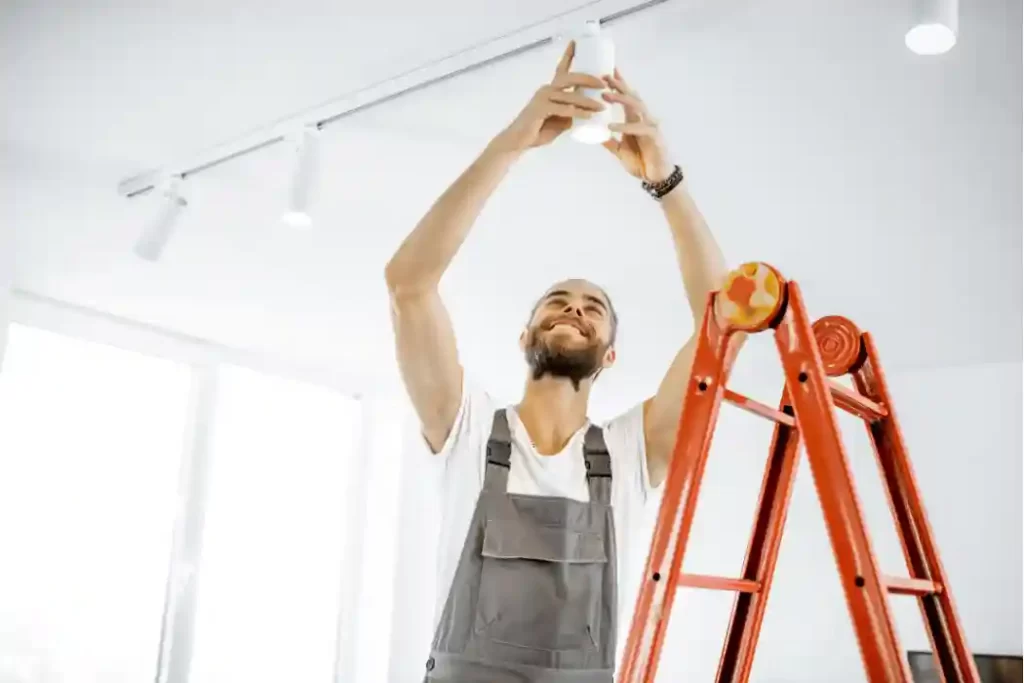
x=569, y=323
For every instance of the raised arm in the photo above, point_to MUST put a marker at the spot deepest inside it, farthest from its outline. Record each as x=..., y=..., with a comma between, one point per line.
x=425, y=342
x=703, y=268
x=701, y=264
x=427, y=354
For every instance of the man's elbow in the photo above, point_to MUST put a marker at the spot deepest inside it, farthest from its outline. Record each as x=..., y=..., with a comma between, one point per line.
x=398, y=282
x=404, y=282
x=393, y=276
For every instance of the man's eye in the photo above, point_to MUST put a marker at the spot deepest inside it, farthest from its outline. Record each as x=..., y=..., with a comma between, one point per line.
x=596, y=310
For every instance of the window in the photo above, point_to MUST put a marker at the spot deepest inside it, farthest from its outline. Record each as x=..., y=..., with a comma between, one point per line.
x=91, y=439
x=273, y=560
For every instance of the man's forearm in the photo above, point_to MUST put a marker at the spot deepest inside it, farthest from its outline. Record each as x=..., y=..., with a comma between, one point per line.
x=700, y=259
x=426, y=253
x=703, y=269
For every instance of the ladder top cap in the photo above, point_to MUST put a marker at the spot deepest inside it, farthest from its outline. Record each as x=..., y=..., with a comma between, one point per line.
x=839, y=343
x=751, y=297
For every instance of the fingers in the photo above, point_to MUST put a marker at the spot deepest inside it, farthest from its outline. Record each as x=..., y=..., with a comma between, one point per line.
x=566, y=60
x=632, y=103
x=564, y=81
x=576, y=99
x=617, y=82
x=637, y=128
x=566, y=111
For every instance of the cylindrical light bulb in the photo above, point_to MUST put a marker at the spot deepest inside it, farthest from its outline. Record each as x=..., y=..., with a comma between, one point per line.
x=595, y=56
x=303, y=177
x=934, y=27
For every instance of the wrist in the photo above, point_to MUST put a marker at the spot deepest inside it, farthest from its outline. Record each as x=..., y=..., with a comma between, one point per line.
x=658, y=167
x=505, y=145
x=663, y=188
x=659, y=172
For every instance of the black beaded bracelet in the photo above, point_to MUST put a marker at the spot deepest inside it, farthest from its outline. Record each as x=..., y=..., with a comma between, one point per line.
x=663, y=187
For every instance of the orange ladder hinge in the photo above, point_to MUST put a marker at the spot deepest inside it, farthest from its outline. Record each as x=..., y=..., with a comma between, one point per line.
x=756, y=298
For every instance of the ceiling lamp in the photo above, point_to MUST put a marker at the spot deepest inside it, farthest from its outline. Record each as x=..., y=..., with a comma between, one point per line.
x=934, y=27
x=306, y=146
x=154, y=238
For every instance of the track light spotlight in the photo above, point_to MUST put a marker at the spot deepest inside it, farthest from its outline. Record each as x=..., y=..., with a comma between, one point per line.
x=934, y=27
x=306, y=162
x=154, y=238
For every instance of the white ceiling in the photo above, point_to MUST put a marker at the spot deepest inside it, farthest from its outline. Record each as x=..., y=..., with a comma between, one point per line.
x=887, y=184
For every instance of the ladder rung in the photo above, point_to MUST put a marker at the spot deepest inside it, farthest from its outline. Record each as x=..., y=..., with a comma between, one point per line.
x=758, y=408
x=919, y=587
x=852, y=402
x=719, y=583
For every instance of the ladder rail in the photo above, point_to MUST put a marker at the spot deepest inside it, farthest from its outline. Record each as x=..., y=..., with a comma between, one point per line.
x=737, y=658
x=715, y=352
x=866, y=595
x=906, y=503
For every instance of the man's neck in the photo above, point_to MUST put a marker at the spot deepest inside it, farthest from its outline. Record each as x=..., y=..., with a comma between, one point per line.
x=552, y=410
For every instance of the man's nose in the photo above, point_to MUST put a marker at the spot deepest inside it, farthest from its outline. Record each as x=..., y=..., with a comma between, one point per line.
x=572, y=309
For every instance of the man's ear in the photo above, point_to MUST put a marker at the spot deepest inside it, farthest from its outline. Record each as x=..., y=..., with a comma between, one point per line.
x=522, y=341
x=609, y=358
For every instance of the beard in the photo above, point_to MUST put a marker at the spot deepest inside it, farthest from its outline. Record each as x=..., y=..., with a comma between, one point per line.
x=546, y=359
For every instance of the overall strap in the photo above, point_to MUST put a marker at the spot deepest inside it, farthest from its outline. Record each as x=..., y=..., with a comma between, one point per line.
x=599, y=465
x=499, y=453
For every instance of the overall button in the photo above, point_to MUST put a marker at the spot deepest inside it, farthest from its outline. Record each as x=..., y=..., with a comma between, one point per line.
x=430, y=664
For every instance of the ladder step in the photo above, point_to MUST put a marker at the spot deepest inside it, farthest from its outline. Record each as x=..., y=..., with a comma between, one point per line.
x=757, y=408
x=898, y=585
x=854, y=403
x=719, y=583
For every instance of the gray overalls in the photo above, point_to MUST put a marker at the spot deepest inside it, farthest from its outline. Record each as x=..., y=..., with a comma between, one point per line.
x=534, y=594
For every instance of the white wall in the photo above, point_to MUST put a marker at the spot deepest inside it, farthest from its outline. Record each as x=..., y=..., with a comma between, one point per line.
x=964, y=431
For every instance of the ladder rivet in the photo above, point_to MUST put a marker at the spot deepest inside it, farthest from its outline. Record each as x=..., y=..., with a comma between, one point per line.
x=703, y=386
x=656, y=576
x=859, y=582
x=802, y=377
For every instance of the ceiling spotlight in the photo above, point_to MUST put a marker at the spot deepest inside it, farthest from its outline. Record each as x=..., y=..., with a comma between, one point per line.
x=303, y=175
x=154, y=238
x=934, y=27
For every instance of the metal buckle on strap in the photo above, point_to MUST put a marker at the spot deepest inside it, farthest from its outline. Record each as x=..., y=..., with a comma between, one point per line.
x=598, y=461
x=499, y=453
x=598, y=464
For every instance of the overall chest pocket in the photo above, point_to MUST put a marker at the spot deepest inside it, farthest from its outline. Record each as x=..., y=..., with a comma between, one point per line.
x=540, y=587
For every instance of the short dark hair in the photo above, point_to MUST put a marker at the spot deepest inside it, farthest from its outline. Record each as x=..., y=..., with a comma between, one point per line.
x=612, y=313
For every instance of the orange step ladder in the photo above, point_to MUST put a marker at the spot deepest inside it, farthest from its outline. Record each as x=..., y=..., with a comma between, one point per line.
x=756, y=298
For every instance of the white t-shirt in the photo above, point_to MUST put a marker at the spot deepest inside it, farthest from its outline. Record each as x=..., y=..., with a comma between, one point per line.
x=563, y=474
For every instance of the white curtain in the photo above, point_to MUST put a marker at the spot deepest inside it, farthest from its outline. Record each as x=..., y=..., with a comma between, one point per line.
x=415, y=575
x=6, y=281
x=380, y=608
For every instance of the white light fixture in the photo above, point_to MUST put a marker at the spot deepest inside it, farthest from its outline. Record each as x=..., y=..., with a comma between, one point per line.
x=303, y=177
x=594, y=55
x=934, y=29
x=154, y=238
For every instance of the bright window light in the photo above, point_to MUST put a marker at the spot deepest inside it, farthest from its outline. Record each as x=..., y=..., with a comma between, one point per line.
x=273, y=562
x=90, y=447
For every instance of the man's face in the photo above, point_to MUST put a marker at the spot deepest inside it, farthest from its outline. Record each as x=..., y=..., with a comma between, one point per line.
x=570, y=332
